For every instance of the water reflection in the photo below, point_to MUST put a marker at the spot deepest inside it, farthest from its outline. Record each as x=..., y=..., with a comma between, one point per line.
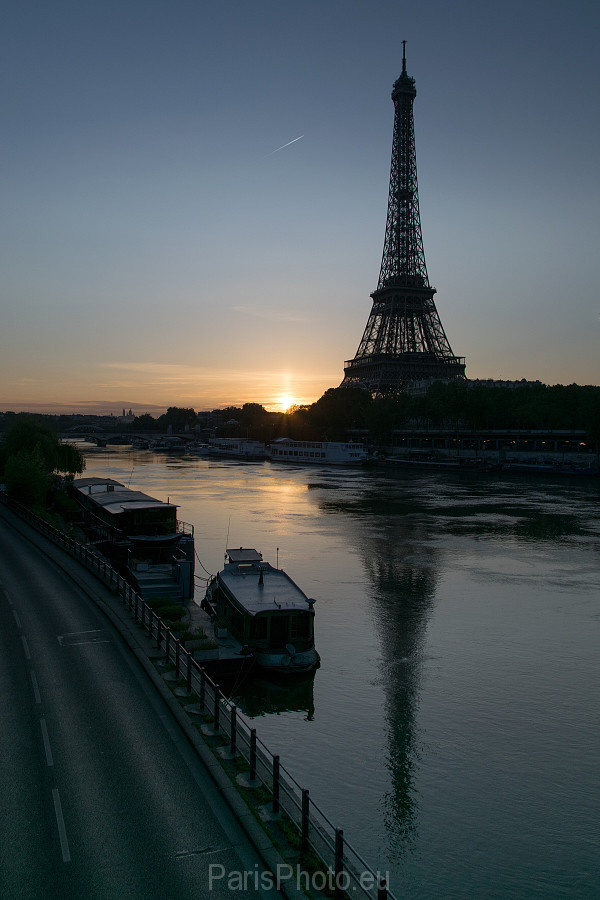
x=389, y=530
x=262, y=696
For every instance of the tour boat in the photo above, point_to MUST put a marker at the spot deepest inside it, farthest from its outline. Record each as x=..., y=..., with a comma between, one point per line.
x=262, y=608
x=318, y=452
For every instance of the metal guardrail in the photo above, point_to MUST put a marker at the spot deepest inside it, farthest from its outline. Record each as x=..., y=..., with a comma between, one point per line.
x=346, y=872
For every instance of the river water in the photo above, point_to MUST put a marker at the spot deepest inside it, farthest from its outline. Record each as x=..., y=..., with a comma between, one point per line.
x=452, y=729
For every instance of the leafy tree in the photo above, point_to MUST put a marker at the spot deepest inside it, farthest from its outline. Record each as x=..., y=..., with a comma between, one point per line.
x=29, y=436
x=29, y=455
x=339, y=410
x=26, y=480
x=145, y=422
x=177, y=417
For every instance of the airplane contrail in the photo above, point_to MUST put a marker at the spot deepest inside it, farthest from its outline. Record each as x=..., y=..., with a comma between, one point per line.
x=286, y=145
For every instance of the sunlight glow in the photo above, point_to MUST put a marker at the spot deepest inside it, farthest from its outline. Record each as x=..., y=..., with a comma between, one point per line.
x=286, y=401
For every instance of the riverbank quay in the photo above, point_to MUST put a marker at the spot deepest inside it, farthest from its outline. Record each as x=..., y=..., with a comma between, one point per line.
x=306, y=854
x=549, y=451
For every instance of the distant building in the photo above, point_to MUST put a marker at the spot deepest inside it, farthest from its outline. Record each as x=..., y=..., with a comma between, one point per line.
x=500, y=383
x=126, y=418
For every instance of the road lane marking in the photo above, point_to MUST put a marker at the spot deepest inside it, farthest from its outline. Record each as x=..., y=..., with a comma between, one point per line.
x=62, y=831
x=70, y=639
x=26, y=647
x=206, y=851
x=36, y=690
x=76, y=633
x=46, y=739
x=17, y=619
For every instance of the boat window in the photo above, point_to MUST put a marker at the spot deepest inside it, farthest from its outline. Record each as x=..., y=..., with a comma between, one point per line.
x=235, y=620
x=278, y=631
x=258, y=628
x=300, y=627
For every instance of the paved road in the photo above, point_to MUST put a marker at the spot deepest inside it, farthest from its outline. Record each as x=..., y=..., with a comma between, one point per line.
x=101, y=794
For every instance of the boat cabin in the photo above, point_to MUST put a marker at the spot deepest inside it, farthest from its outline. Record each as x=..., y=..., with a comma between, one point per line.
x=262, y=606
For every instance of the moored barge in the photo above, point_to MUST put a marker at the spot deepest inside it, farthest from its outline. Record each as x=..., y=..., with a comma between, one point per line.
x=265, y=611
x=140, y=535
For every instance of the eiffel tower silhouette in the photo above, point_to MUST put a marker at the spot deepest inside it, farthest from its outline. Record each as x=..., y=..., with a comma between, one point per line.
x=404, y=344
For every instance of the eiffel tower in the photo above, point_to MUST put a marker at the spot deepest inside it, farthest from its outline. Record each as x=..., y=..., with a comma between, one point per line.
x=404, y=344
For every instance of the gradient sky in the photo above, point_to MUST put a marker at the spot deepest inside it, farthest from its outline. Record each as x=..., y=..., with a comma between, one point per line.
x=155, y=251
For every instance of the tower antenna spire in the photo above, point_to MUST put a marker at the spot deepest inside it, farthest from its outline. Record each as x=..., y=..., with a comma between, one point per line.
x=404, y=346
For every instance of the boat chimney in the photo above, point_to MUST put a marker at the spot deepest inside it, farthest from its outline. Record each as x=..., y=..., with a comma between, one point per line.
x=261, y=580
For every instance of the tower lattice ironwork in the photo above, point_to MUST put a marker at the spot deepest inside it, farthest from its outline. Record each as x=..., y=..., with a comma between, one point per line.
x=404, y=343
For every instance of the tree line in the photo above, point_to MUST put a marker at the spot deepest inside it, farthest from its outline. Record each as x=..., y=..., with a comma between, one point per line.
x=341, y=412
x=31, y=453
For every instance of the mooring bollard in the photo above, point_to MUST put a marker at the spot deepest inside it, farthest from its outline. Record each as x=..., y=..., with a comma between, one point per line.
x=382, y=889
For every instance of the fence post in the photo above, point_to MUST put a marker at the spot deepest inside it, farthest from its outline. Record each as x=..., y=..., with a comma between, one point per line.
x=305, y=818
x=189, y=671
x=159, y=634
x=168, y=645
x=233, y=735
x=252, y=754
x=276, y=784
x=177, y=652
x=202, y=687
x=339, y=860
x=217, y=705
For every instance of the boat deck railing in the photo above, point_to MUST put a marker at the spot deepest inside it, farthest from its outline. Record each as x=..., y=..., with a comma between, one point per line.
x=346, y=873
x=185, y=528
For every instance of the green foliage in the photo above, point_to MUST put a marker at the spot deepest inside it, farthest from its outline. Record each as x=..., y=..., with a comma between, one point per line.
x=28, y=435
x=336, y=413
x=176, y=627
x=25, y=479
x=169, y=611
x=178, y=418
x=194, y=634
x=29, y=454
x=145, y=422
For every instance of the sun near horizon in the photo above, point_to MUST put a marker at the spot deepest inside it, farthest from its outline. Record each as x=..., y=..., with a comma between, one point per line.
x=285, y=402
